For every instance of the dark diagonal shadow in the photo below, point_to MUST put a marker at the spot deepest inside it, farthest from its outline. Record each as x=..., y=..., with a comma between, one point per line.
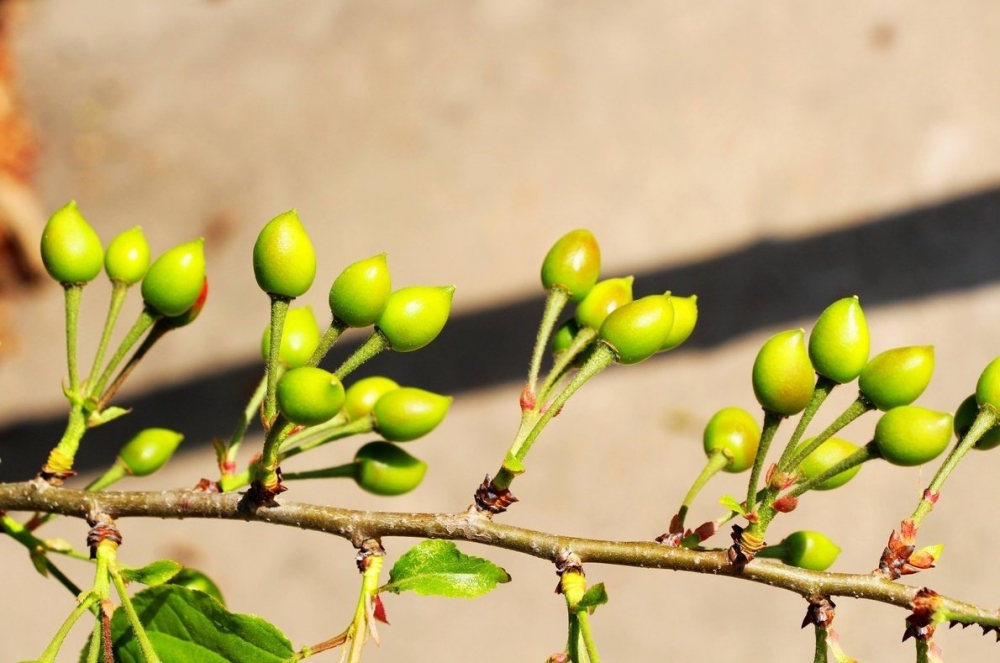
x=910, y=255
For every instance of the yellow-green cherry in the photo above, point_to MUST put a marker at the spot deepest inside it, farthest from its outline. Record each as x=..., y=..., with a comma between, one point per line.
x=563, y=336
x=839, y=343
x=988, y=387
x=734, y=432
x=71, y=250
x=175, y=280
x=824, y=457
x=602, y=299
x=299, y=337
x=573, y=264
x=385, y=469
x=783, y=377
x=414, y=316
x=408, y=413
x=127, y=257
x=309, y=396
x=965, y=415
x=637, y=330
x=685, y=319
x=804, y=549
x=361, y=396
x=360, y=292
x=149, y=450
x=284, y=262
x=912, y=435
x=898, y=376
x=190, y=315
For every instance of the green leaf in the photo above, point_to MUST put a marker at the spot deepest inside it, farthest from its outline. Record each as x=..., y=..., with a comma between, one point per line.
x=594, y=596
x=438, y=568
x=732, y=504
x=104, y=416
x=152, y=574
x=186, y=626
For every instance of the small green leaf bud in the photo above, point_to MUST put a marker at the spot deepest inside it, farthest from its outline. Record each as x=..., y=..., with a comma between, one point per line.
x=912, y=435
x=362, y=395
x=385, y=469
x=685, y=318
x=733, y=431
x=175, y=280
x=149, y=450
x=783, y=377
x=127, y=257
x=359, y=294
x=71, y=250
x=637, y=330
x=309, y=396
x=839, y=342
x=414, y=316
x=572, y=264
x=408, y=413
x=299, y=337
x=827, y=455
x=602, y=299
x=284, y=262
x=965, y=415
x=898, y=376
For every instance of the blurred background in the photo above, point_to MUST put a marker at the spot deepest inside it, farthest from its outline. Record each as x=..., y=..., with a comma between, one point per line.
x=768, y=157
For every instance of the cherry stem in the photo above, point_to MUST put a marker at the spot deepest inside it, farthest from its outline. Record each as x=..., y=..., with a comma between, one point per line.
x=345, y=471
x=863, y=455
x=279, y=309
x=716, y=463
x=73, y=295
x=375, y=344
x=554, y=304
x=823, y=388
x=118, y=292
x=860, y=406
x=252, y=409
x=771, y=422
x=329, y=337
x=563, y=360
x=819, y=656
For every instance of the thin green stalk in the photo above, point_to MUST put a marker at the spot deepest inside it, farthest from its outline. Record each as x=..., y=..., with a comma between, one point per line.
x=771, y=422
x=573, y=638
x=554, y=304
x=588, y=637
x=73, y=296
x=923, y=650
x=60, y=460
x=823, y=388
x=860, y=405
x=716, y=463
x=583, y=338
x=326, y=342
x=820, y=654
x=94, y=644
x=987, y=418
x=279, y=308
x=145, y=646
x=325, y=436
x=49, y=655
x=375, y=344
x=268, y=463
x=145, y=320
x=249, y=412
x=118, y=291
x=159, y=330
x=345, y=471
x=863, y=455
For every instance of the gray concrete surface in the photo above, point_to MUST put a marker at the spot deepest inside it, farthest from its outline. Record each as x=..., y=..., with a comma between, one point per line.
x=463, y=138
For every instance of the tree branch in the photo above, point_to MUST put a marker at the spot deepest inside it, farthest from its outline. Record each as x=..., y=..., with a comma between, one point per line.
x=356, y=526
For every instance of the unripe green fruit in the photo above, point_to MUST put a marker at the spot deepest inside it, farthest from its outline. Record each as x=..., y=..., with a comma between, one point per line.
x=602, y=299
x=308, y=395
x=299, y=337
x=385, y=469
x=733, y=431
x=190, y=315
x=71, y=250
x=359, y=294
x=149, y=450
x=965, y=416
x=685, y=318
x=827, y=455
x=839, y=342
x=174, y=281
x=912, y=435
x=199, y=582
x=414, y=316
x=284, y=262
x=127, y=257
x=637, y=330
x=809, y=550
x=572, y=264
x=988, y=387
x=898, y=376
x=408, y=413
x=783, y=377
x=563, y=336
x=362, y=395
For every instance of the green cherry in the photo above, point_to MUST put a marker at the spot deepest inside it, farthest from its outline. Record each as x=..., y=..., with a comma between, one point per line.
x=602, y=299
x=175, y=280
x=414, y=316
x=839, y=342
x=308, y=396
x=408, y=413
x=912, y=435
x=783, y=377
x=824, y=457
x=360, y=399
x=127, y=257
x=988, y=387
x=806, y=550
x=199, y=582
x=359, y=294
x=149, y=450
x=965, y=415
x=637, y=330
x=898, y=376
x=284, y=262
x=572, y=264
x=299, y=337
x=685, y=318
x=563, y=336
x=190, y=315
x=385, y=469
x=71, y=250
x=733, y=431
